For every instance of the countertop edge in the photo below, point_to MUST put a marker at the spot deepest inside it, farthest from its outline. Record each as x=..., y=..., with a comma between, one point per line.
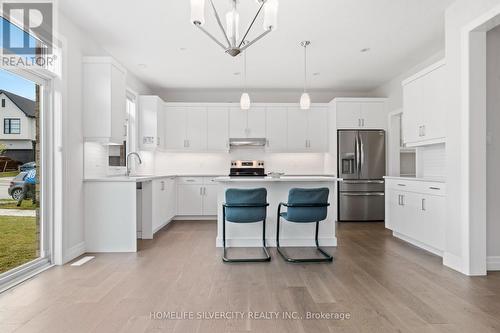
x=429, y=180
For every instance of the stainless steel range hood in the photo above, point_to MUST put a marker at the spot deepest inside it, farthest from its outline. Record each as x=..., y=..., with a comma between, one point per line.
x=247, y=142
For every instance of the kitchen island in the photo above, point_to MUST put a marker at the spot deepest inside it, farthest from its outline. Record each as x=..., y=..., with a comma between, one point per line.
x=291, y=234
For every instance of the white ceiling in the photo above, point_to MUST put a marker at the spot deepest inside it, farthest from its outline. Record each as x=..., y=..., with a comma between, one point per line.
x=400, y=33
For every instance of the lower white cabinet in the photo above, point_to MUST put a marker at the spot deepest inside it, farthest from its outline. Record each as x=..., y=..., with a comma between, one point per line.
x=415, y=212
x=164, y=203
x=196, y=196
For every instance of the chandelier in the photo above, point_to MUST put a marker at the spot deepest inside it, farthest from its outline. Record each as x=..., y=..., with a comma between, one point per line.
x=234, y=45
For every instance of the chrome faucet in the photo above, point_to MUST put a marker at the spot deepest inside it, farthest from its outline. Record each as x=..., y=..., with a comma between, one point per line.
x=128, y=160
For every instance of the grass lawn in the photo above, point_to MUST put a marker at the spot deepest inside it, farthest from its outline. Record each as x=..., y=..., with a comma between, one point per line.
x=18, y=243
x=9, y=174
x=12, y=204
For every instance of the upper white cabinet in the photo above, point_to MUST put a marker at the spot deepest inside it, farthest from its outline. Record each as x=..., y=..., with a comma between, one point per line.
x=247, y=123
x=276, y=128
x=150, y=125
x=424, y=107
x=308, y=129
x=196, y=128
x=104, y=103
x=361, y=113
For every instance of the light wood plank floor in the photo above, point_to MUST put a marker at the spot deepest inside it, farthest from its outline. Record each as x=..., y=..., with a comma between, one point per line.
x=384, y=284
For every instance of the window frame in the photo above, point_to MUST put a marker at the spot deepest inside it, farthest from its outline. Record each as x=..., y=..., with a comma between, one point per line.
x=9, y=121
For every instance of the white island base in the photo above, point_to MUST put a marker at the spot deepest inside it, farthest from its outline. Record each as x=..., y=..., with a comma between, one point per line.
x=291, y=234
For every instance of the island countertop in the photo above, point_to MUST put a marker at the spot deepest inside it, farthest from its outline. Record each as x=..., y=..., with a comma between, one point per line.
x=280, y=179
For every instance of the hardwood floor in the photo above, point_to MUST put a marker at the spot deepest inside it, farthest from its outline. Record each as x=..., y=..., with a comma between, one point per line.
x=383, y=284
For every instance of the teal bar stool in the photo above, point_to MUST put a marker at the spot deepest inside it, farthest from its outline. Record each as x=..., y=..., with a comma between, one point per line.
x=305, y=205
x=245, y=206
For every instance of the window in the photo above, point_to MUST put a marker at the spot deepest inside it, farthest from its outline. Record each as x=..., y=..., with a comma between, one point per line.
x=12, y=126
x=3, y=102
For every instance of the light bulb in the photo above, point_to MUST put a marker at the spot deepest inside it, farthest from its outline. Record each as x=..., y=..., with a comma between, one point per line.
x=305, y=101
x=245, y=101
x=271, y=15
x=232, y=25
x=198, y=12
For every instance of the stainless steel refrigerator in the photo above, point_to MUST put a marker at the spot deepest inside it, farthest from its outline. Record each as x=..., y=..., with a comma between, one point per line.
x=361, y=163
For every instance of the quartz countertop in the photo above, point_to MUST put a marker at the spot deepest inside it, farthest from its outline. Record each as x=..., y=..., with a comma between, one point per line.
x=302, y=178
x=433, y=180
x=143, y=178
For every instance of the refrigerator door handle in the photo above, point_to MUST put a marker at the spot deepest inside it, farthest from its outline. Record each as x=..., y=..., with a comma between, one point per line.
x=361, y=155
x=362, y=194
x=358, y=156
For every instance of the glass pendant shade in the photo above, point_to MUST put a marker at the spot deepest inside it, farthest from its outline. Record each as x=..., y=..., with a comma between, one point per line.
x=232, y=25
x=305, y=101
x=271, y=15
x=198, y=12
x=245, y=101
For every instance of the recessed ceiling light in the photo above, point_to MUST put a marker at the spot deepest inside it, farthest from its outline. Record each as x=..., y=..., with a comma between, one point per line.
x=316, y=73
x=142, y=66
x=366, y=49
x=237, y=73
x=183, y=49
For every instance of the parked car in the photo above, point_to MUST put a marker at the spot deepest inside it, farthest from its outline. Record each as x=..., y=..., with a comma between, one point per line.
x=27, y=166
x=16, y=185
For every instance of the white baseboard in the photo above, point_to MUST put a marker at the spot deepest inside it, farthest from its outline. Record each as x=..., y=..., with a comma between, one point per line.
x=74, y=252
x=453, y=261
x=257, y=242
x=493, y=263
x=418, y=244
x=195, y=218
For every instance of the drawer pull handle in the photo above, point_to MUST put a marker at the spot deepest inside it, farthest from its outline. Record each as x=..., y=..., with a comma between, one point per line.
x=401, y=184
x=435, y=188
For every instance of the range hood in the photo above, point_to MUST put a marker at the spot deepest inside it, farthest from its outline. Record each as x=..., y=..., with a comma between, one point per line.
x=247, y=142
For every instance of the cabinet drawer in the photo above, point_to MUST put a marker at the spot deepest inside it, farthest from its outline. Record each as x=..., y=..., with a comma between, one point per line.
x=209, y=180
x=432, y=188
x=190, y=180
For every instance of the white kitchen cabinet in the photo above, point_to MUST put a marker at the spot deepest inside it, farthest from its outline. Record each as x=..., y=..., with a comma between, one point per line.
x=104, y=103
x=416, y=212
x=217, y=128
x=247, y=123
x=196, y=196
x=175, y=128
x=160, y=127
x=150, y=110
x=424, y=107
x=164, y=203
x=276, y=129
x=317, y=129
x=307, y=129
x=361, y=113
x=196, y=129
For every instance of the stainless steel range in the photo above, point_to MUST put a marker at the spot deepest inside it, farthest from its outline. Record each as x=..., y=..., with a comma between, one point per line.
x=247, y=169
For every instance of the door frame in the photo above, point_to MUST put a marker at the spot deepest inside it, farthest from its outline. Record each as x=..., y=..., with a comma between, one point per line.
x=473, y=133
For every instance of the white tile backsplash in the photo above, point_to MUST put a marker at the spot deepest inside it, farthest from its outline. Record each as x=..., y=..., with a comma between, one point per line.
x=432, y=161
x=95, y=160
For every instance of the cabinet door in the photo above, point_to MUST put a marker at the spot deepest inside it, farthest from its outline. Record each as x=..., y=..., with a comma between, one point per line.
x=175, y=128
x=160, y=126
x=297, y=130
x=237, y=123
x=118, y=106
x=157, y=204
x=412, y=108
x=148, y=118
x=432, y=219
x=196, y=129
x=276, y=128
x=170, y=198
x=373, y=115
x=210, y=200
x=256, y=122
x=189, y=200
x=434, y=110
x=317, y=131
x=348, y=115
x=217, y=129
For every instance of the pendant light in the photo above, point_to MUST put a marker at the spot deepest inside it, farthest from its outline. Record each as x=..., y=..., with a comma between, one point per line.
x=305, y=99
x=245, y=97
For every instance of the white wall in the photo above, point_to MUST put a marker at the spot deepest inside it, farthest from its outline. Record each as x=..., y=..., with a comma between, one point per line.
x=493, y=147
x=393, y=89
x=77, y=46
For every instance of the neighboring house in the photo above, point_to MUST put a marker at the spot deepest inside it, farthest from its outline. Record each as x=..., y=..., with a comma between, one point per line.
x=17, y=126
